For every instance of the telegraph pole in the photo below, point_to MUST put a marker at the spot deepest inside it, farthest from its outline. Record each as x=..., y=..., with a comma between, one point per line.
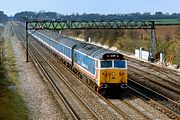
x=153, y=41
x=27, y=42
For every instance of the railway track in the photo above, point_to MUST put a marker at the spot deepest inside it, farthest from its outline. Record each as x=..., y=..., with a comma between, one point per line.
x=167, y=106
x=138, y=113
x=174, y=81
x=169, y=76
x=77, y=108
x=154, y=83
x=139, y=94
x=157, y=79
x=173, y=86
x=102, y=112
x=169, y=73
x=76, y=105
x=109, y=103
x=110, y=106
x=162, y=80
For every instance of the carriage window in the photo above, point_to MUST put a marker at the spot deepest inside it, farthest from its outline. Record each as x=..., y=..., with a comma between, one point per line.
x=96, y=63
x=106, y=64
x=120, y=64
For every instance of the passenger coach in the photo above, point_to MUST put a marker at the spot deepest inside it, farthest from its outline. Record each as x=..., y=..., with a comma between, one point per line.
x=103, y=69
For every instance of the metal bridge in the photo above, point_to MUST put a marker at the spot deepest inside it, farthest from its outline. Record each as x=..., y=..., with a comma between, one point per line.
x=64, y=25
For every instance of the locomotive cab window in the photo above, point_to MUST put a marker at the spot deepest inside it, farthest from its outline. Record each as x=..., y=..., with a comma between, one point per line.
x=120, y=64
x=106, y=64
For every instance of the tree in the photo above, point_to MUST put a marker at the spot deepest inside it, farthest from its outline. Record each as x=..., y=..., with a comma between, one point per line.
x=22, y=16
x=159, y=13
x=173, y=52
x=3, y=17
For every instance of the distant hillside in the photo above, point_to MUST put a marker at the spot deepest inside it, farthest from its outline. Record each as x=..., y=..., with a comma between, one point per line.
x=28, y=15
x=3, y=17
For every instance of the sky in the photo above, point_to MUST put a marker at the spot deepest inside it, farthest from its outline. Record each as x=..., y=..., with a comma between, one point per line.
x=10, y=7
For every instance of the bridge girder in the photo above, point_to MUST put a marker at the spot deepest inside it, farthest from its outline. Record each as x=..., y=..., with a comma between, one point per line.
x=63, y=25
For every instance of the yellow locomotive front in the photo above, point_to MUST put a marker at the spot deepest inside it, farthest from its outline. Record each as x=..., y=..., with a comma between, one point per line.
x=112, y=73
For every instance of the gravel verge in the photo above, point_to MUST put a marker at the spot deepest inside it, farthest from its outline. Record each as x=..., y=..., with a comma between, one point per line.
x=39, y=100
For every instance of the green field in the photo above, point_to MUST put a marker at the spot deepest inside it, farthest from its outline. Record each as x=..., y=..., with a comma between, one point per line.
x=167, y=21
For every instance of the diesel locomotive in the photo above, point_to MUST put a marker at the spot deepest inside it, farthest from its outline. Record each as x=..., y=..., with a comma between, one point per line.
x=101, y=68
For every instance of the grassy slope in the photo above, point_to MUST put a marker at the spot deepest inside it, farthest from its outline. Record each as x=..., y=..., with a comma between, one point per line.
x=12, y=106
x=132, y=39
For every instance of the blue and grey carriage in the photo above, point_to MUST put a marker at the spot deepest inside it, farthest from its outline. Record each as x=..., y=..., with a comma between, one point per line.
x=101, y=68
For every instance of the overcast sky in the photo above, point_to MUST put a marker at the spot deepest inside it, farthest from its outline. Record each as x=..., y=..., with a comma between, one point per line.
x=10, y=7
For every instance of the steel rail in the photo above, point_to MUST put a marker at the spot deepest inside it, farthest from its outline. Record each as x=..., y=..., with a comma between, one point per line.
x=62, y=97
x=165, y=108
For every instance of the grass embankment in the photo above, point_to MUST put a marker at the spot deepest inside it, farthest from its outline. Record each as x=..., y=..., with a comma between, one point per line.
x=12, y=106
x=167, y=40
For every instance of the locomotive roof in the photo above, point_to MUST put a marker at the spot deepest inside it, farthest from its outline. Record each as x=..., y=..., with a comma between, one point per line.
x=93, y=50
x=60, y=38
x=67, y=41
x=86, y=48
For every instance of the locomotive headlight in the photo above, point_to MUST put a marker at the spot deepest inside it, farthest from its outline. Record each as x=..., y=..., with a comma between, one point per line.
x=121, y=73
x=113, y=74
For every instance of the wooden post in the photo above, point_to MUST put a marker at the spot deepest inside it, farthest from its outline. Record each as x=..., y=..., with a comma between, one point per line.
x=0, y=50
x=1, y=55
